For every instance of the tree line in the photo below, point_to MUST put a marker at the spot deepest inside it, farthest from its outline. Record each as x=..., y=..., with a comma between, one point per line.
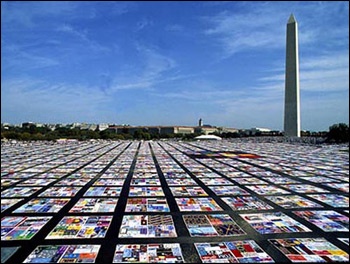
x=338, y=133
x=33, y=132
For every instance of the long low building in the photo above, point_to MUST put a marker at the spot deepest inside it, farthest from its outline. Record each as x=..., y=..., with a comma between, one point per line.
x=165, y=130
x=158, y=130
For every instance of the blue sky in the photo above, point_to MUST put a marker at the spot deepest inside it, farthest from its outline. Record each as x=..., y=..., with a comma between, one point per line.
x=171, y=63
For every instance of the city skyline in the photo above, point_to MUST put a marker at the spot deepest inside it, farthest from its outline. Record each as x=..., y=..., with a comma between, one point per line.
x=171, y=63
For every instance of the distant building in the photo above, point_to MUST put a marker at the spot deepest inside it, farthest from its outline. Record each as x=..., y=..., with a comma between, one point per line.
x=228, y=130
x=102, y=127
x=200, y=123
x=155, y=130
x=84, y=126
x=206, y=130
x=51, y=127
x=75, y=125
x=6, y=125
x=28, y=124
x=259, y=130
x=184, y=130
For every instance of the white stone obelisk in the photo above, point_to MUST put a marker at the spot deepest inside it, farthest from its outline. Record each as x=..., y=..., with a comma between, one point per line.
x=292, y=93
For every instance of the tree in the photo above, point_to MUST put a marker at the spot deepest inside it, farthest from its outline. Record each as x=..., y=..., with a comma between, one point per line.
x=137, y=134
x=338, y=133
x=10, y=135
x=25, y=136
x=37, y=136
x=52, y=135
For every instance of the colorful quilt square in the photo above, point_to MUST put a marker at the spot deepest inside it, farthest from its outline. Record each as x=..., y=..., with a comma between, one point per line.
x=280, y=180
x=344, y=187
x=216, y=181
x=197, y=204
x=228, y=190
x=335, y=200
x=273, y=223
x=148, y=253
x=246, y=251
x=310, y=250
x=249, y=180
x=95, y=205
x=21, y=227
x=73, y=182
x=327, y=220
x=81, y=227
x=147, y=205
x=146, y=191
x=103, y=191
x=147, y=226
x=188, y=191
x=246, y=203
x=13, y=192
x=264, y=189
x=304, y=188
x=145, y=181
x=180, y=181
x=43, y=205
x=60, y=192
x=109, y=182
x=63, y=254
x=36, y=182
x=292, y=201
x=7, y=203
x=212, y=225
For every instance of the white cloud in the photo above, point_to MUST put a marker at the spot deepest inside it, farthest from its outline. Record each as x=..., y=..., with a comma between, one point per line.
x=26, y=13
x=324, y=73
x=329, y=72
x=276, y=77
x=143, y=23
x=122, y=7
x=325, y=80
x=240, y=31
x=174, y=28
x=331, y=60
x=262, y=25
x=32, y=99
x=82, y=35
x=69, y=29
x=153, y=69
x=18, y=59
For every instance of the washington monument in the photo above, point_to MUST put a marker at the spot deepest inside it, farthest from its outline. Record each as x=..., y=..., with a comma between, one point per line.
x=291, y=99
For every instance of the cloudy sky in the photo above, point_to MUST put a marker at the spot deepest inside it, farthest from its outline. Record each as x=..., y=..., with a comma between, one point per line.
x=171, y=63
